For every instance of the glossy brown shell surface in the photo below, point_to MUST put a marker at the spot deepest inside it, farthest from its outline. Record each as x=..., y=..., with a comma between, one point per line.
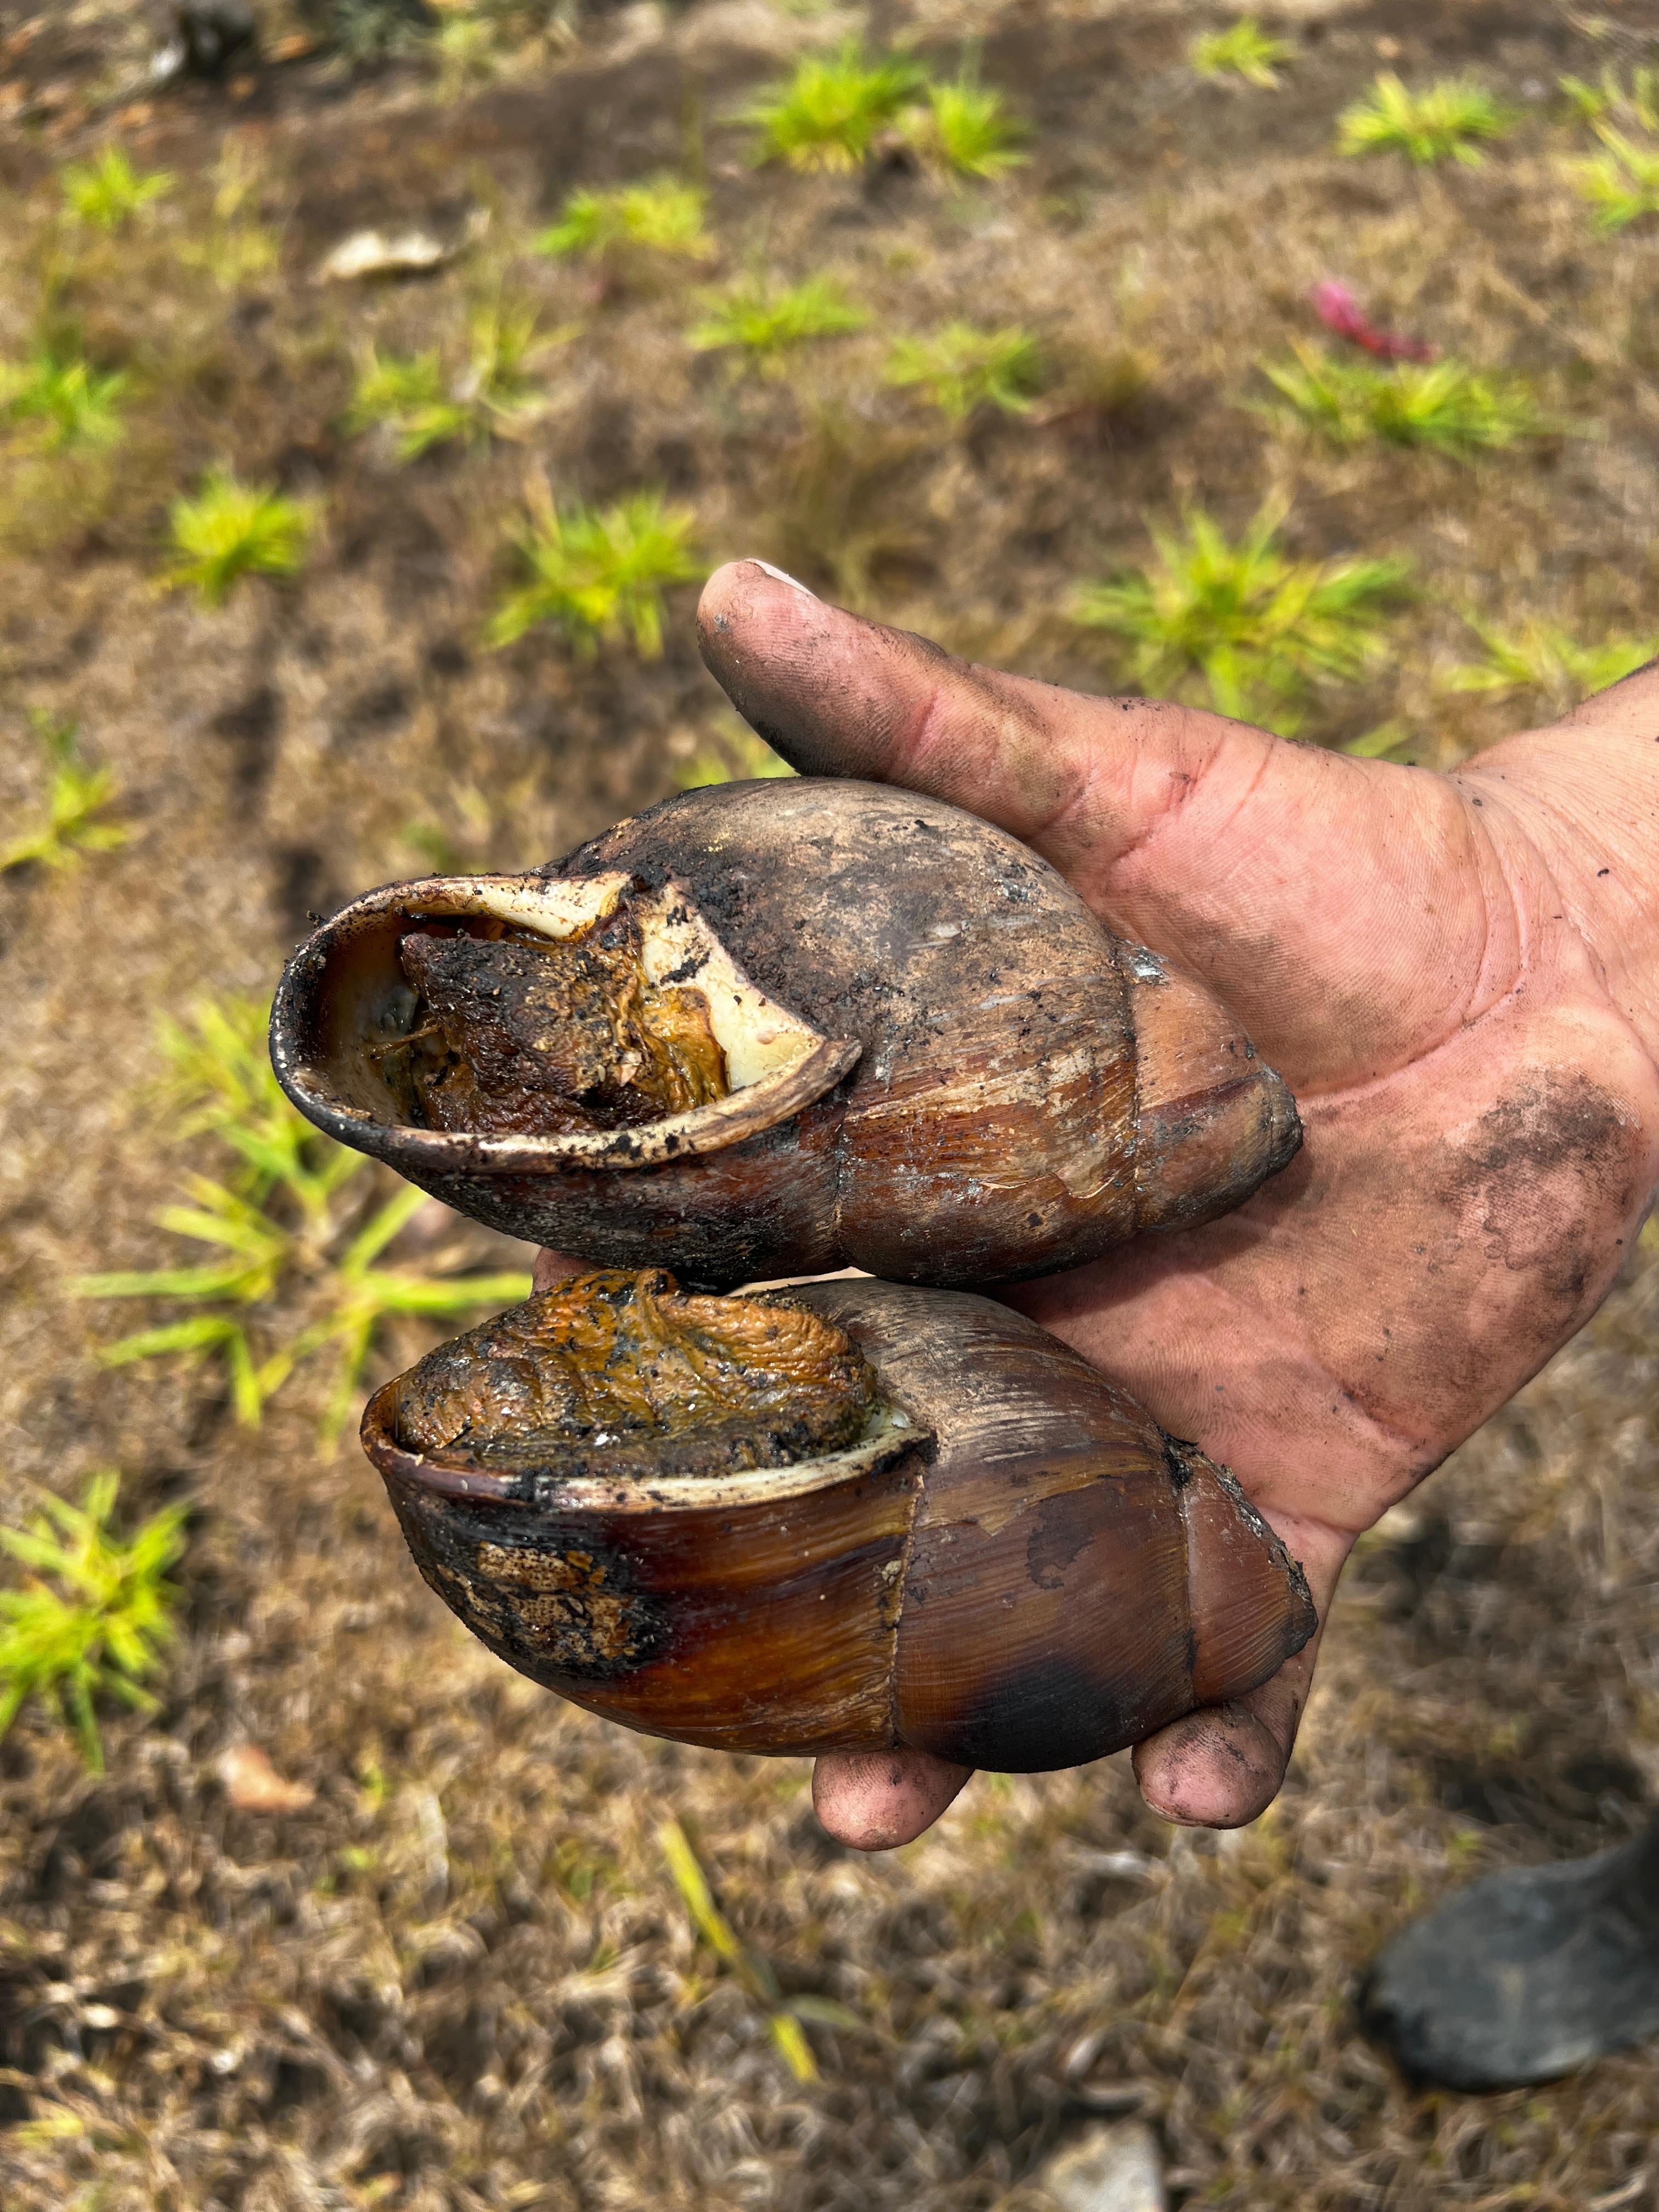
x=1026, y=1575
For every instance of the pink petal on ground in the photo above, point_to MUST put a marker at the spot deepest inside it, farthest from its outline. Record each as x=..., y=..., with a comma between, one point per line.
x=1337, y=307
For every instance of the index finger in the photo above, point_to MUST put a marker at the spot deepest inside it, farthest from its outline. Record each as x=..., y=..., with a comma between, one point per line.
x=1350, y=913
x=838, y=696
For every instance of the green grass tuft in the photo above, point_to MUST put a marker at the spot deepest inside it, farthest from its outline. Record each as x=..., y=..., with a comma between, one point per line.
x=959, y=367
x=827, y=115
x=1243, y=50
x=665, y=216
x=596, y=572
x=424, y=405
x=1549, y=662
x=1449, y=118
x=504, y=341
x=219, y=1082
x=59, y=400
x=1240, y=626
x=768, y=323
x=93, y=1614
x=229, y=530
x=967, y=128
x=78, y=795
x=1621, y=183
x=106, y=194
x=409, y=395
x=1443, y=404
x=295, y=1238
x=1636, y=101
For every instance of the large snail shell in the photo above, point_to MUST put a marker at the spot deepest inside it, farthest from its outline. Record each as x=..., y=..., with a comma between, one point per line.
x=942, y=1068
x=1011, y=1567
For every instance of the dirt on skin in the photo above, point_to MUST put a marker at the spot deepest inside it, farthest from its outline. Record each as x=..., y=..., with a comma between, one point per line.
x=446, y=1969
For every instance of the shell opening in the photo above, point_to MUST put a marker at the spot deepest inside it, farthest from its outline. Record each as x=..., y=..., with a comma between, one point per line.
x=536, y=1023
x=520, y=1034
x=622, y=1376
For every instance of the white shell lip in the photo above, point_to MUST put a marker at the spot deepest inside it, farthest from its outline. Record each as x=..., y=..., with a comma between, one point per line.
x=779, y=1063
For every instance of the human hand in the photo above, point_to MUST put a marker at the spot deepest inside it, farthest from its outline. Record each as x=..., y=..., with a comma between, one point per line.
x=1457, y=974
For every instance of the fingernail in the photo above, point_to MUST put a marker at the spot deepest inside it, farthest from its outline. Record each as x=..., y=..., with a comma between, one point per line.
x=778, y=576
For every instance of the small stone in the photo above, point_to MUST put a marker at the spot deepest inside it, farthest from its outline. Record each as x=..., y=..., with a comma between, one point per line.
x=1113, y=2168
x=382, y=253
x=407, y=253
x=253, y=1786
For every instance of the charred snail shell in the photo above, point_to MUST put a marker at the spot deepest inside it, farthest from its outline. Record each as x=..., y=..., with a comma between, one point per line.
x=779, y=1029
x=845, y=1518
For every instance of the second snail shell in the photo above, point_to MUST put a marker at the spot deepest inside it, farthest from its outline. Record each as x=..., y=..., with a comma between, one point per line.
x=1006, y=1564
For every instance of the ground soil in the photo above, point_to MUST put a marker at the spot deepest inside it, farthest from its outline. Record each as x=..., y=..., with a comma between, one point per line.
x=460, y=1976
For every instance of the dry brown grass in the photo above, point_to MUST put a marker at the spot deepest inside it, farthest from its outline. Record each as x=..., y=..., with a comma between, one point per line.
x=462, y=1977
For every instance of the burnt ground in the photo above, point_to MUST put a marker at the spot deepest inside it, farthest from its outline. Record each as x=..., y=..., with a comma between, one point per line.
x=460, y=1977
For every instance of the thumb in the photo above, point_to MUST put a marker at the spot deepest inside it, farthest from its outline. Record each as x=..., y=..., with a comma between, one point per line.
x=838, y=696
x=1292, y=880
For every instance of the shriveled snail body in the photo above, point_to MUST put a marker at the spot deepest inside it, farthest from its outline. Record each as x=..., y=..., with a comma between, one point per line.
x=777, y=1029
x=847, y=1516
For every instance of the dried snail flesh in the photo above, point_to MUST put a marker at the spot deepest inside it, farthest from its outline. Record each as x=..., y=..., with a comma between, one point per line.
x=779, y=1029
x=846, y=1516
